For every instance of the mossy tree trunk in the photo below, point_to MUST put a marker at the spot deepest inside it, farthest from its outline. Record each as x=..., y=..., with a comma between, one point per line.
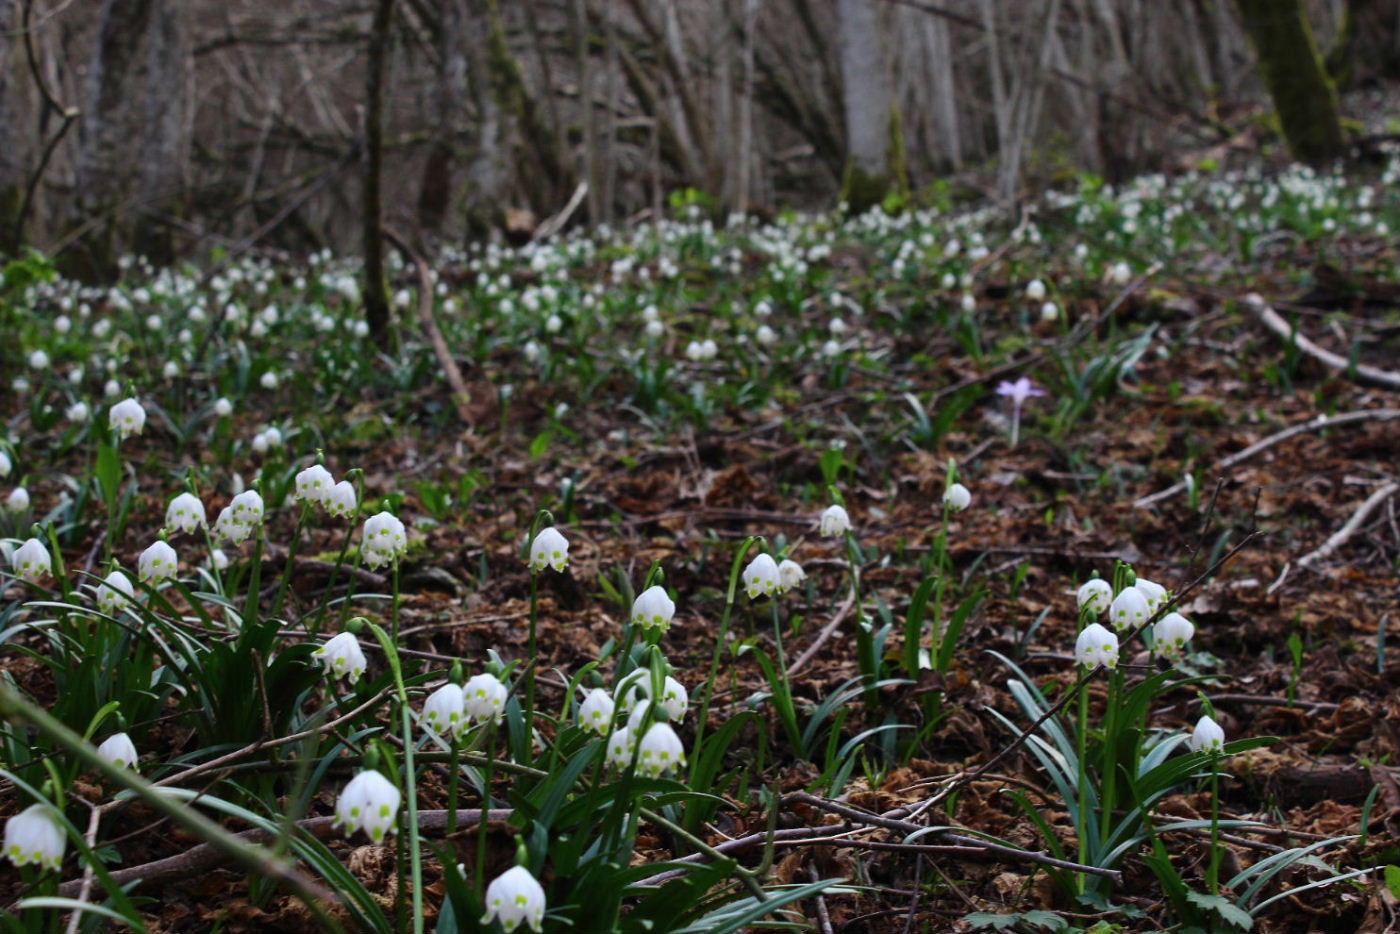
x=1293, y=71
x=872, y=137
x=376, y=292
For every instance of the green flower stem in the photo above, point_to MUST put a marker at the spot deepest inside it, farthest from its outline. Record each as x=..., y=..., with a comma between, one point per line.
x=865, y=640
x=415, y=850
x=291, y=559
x=1111, y=728
x=452, y=783
x=340, y=559
x=940, y=568
x=530, y=660
x=486, y=770
x=720, y=640
x=1213, y=866
x=1082, y=742
x=258, y=860
x=747, y=876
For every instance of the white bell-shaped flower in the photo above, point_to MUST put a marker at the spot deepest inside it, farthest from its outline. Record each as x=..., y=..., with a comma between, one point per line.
x=227, y=526
x=126, y=418
x=34, y=835
x=596, y=711
x=1155, y=593
x=761, y=577
x=6, y=465
x=77, y=413
x=674, y=697
x=549, y=549
x=484, y=698
x=1129, y=609
x=31, y=561
x=1096, y=594
x=442, y=711
x=18, y=500
x=1207, y=737
x=660, y=751
x=620, y=746
x=369, y=803
x=835, y=521
x=385, y=539
x=1035, y=290
x=1096, y=645
x=790, y=575
x=115, y=592
x=223, y=407
x=342, y=657
x=157, y=563
x=514, y=896
x=653, y=608
x=314, y=485
x=1171, y=633
x=119, y=750
x=341, y=501
x=248, y=507
x=185, y=513
x=957, y=497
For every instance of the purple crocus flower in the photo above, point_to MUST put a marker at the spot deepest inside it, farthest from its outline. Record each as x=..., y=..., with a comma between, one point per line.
x=1019, y=392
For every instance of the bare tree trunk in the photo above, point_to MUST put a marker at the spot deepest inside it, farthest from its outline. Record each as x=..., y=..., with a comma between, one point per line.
x=11, y=151
x=1292, y=68
x=745, y=154
x=869, y=105
x=376, y=293
x=164, y=129
x=586, y=114
x=435, y=191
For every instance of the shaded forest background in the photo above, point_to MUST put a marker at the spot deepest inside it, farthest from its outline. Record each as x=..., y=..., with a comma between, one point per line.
x=168, y=126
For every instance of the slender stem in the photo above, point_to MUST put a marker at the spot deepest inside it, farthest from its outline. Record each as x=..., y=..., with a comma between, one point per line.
x=865, y=641
x=291, y=559
x=721, y=640
x=415, y=850
x=452, y=778
x=485, y=811
x=1082, y=742
x=1213, y=867
x=530, y=660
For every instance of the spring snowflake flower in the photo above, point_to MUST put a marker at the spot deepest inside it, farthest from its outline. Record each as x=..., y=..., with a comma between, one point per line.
x=369, y=803
x=484, y=698
x=620, y=748
x=1207, y=737
x=34, y=835
x=1096, y=646
x=157, y=563
x=1171, y=633
x=18, y=500
x=514, y=896
x=126, y=418
x=314, y=485
x=653, y=609
x=835, y=521
x=790, y=575
x=342, y=657
x=185, y=513
x=385, y=539
x=957, y=497
x=31, y=561
x=766, y=335
x=1155, y=593
x=77, y=413
x=1129, y=609
x=223, y=407
x=1096, y=594
x=761, y=577
x=1049, y=311
x=442, y=711
x=119, y=750
x=268, y=380
x=341, y=501
x=1035, y=290
x=38, y=360
x=5, y=464
x=115, y=592
x=660, y=751
x=549, y=548
x=596, y=711
x=674, y=697
x=1121, y=273
x=217, y=559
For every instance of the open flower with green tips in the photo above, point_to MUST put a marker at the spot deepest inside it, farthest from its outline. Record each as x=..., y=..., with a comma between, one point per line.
x=1096, y=646
x=1155, y=593
x=443, y=710
x=620, y=746
x=957, y=497
x=126, y=418
x=1171, y=633
x=515, y=896
x=369, y=803
x=157, y=563
x=596, y=711
x=342, y=657
x=835, y=521
x=32, y=561
x=185, y=513
x=1129, y=609
x=1207, y=737
x=761, y=577
x=549, y=549
x=1095, y=595
x=653, y=608
x=385, y=539
x=119, y=750
x=314, y=485
x=34, y=835
x=115, y=592
x=484, y=698
x=341, y=500
x=660, y=751
x=790, y=575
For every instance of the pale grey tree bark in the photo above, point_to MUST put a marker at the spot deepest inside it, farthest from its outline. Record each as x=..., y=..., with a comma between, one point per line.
x=11, y=149
x=868, y=103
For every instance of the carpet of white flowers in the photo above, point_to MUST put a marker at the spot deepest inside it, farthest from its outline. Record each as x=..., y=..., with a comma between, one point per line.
x=889, y=573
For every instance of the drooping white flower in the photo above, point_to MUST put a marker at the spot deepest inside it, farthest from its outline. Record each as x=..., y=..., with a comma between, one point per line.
x=957, y=497
x=158, y=562
x=185, y=513
x=369, y=803
x=38, y=360
x=1096, y=646
x=77, y=413
x=1171, y=633
x=170, y=370
x=341, y=501
x=115, y=592
x=674, y=697
x=766, y=335
x=1207, y=737
x=119, y=750
x=620, y=748
x=18, y=500
x=660, y=751
x=1035, y=290
x=484, y=698
x=217, y=559
x=126, y=418
x=835, y=521
x=248, y=507
x=34, y=835
x=790, y=575
x=268, y=380
x=342, y=657
x=228, y=526
x=385, y=539
x=31, y=561
x=550, y=548
x=761, y=577
x=5, y=464
x=1121, y=273
x=1129, y=609
x=1049, y=311
x=514, y=896
x=1096, y=594
x=223, y=407
x=1155, y=593
x=596, y=711
x=653, y=608
x=259, y=443
x=442, y=711
x=314, y=485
